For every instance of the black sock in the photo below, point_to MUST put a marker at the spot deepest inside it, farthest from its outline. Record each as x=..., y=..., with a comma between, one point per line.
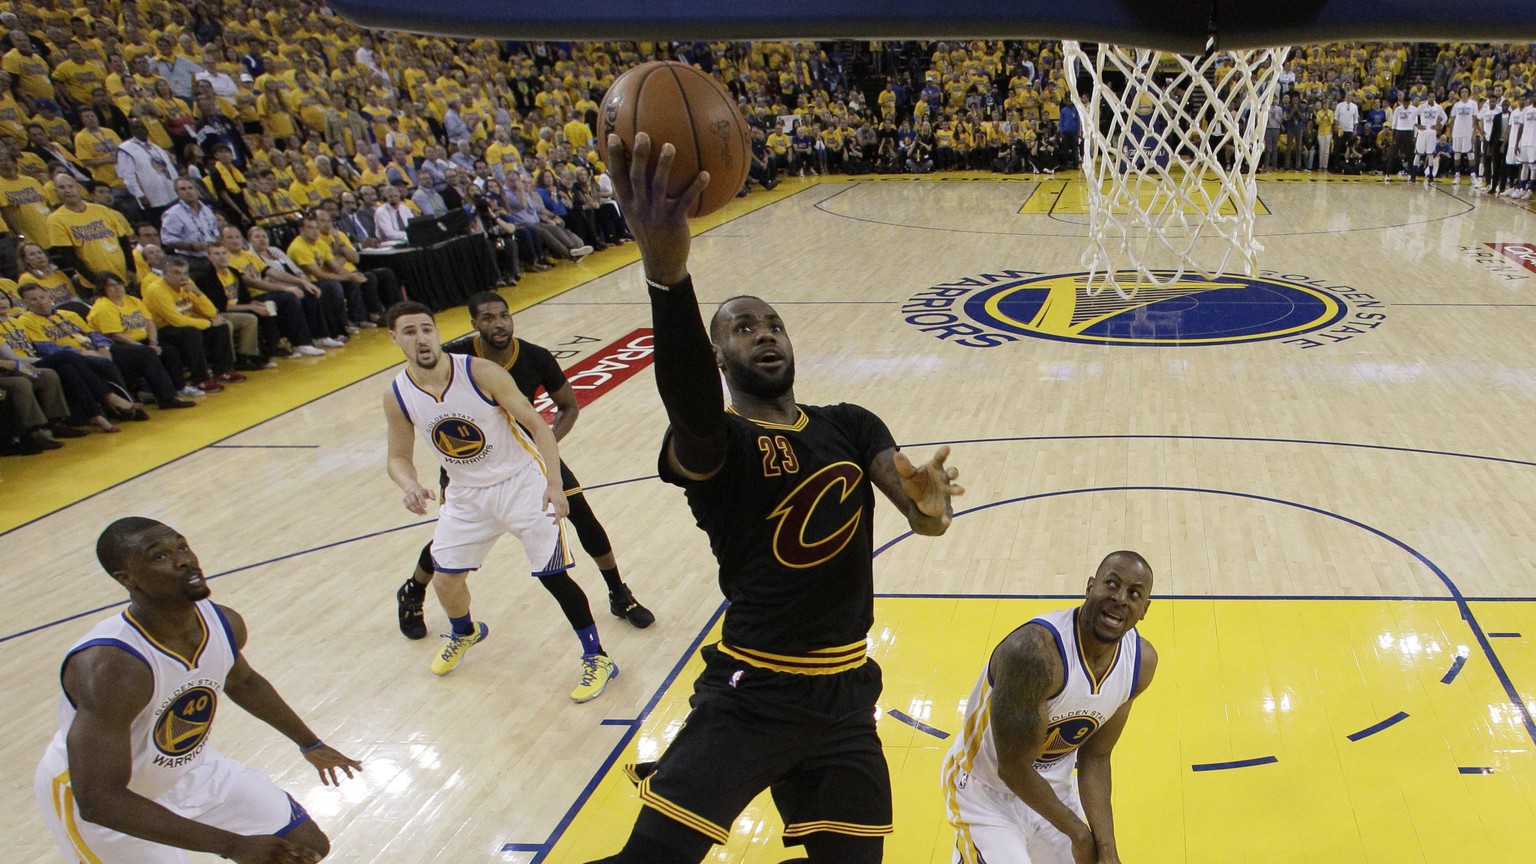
x=611, y=577
x=414, y=588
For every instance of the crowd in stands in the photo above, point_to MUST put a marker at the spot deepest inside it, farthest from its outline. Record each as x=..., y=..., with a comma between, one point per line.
x=187, y=187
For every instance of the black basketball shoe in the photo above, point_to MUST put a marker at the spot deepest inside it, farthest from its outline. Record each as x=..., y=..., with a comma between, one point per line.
x=408, y=602
x=622, y=604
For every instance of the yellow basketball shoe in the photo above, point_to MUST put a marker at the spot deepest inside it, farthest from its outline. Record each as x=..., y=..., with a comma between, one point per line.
x=454, y=648
x=596, y=671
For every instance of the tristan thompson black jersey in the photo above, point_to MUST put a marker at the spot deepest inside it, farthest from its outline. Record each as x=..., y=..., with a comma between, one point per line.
x=790, y=518
x=531, y=366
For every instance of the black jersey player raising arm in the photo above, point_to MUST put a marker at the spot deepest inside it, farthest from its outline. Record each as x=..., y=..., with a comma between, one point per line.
x=786, y=700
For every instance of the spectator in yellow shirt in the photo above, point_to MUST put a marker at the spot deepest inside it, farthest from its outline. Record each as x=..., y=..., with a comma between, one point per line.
x=96, y=148
x=88, y=238
x=29, y=69
x=187, y=319
x=126, y=321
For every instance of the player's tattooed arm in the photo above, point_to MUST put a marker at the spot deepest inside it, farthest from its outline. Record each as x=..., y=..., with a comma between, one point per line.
x=921, y=492
x=1026, y=669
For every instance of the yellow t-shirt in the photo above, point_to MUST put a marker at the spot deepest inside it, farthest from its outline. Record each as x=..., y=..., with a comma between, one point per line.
x=169, y=307
x=13, y=119
x=14, y=336
x=31, y=74
x=25, y=207
x=306, y=254
x=58, y=286
x=130, y=319
x=79, y=79
x=330, y=187
x=96, y=145
x=577, y=133
x=61, y=328
x=94, y=233
x=8, y=288
x=250, y=266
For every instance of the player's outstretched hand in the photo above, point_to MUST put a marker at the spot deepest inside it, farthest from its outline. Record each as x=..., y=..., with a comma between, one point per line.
x=328, y=760
x=658, y=221
x=930, y=486
x=271, y=849
x=416, y=500
x=555, y=502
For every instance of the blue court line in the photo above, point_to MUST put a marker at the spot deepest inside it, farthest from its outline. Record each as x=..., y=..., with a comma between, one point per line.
x=1451, y=673
x=1246, y=439
x=629, y=734
x=523, y=847
x=1503, y=635
x=320, y=548
x=1240, y=763
x=1461, y=601
x=916, y=723
x=239, y=569
x=616, y=722
x=1475, y=770
x=1377, y=727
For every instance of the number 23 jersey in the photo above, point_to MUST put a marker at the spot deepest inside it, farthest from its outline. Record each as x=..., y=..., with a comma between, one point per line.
x=790, y=520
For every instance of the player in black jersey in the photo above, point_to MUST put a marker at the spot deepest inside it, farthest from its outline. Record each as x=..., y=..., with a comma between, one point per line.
x=785, y=493
x=532, y=368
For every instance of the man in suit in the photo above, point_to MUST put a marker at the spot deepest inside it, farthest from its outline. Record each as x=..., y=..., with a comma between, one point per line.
x=356, y=223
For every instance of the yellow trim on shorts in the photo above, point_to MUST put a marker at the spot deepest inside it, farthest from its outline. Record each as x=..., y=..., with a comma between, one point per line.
x=682, y=815
x=800, y=829
x=821, y=661
x=64, y=806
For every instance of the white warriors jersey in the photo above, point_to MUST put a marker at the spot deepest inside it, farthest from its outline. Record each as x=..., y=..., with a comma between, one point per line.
x=1076, y=711
x=1463, y=116
x=1527, y=119
x=1431, y=115
x=170, y=736
x=476, y=440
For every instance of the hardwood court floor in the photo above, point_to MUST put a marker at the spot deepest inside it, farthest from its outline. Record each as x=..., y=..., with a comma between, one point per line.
x=1340, y=519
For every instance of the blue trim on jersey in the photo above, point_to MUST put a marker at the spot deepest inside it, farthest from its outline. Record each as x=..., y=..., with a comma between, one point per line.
x=1061, y=648
x=94, y=643
x=458, y=570
x=471, y=376
x=297, y=816
x=229, y=632
x=395, y=386
x=1135, y=670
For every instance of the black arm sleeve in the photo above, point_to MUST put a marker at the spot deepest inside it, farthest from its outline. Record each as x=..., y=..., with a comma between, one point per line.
x=66, y=259
x=687, y=379
x=127, y=245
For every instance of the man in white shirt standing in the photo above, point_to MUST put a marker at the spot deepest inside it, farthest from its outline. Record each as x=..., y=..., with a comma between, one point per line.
x=392, y=216
x=1463, y=133
x=1489, y=112
x=147, y=171
x=1526, y=148
x=1346, y=116
x=1404, y=118
x=1426, y=137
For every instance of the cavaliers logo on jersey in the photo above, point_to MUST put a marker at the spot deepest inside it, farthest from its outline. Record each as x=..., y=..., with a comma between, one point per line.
x=1066, y=735
x=795, y=542
x=458, y=438
x=183, y=725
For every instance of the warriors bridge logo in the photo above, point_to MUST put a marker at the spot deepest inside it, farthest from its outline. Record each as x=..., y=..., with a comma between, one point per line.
x=992, y=309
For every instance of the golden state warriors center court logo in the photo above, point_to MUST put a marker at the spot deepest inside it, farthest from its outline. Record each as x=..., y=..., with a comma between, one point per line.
x=992, y=309
x=184, y=723
x=458, y=438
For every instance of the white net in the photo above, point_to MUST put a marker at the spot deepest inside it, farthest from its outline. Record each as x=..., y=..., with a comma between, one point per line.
x=1170, y=146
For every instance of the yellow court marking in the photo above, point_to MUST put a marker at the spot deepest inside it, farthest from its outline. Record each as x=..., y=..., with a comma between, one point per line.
x=38, y=486
x=1238, y=679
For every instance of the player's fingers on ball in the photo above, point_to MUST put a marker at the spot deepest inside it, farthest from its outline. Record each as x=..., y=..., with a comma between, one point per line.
x=663, y=176
x=639, y=161
x=694, y=190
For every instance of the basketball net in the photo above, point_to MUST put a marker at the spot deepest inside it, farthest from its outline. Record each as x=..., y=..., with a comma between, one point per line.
x=1169, y=161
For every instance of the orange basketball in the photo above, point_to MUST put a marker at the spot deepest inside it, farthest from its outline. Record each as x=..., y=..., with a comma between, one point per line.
x=676, y=104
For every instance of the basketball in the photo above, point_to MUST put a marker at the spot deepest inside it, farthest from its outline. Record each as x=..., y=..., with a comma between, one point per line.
x=678, y=104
